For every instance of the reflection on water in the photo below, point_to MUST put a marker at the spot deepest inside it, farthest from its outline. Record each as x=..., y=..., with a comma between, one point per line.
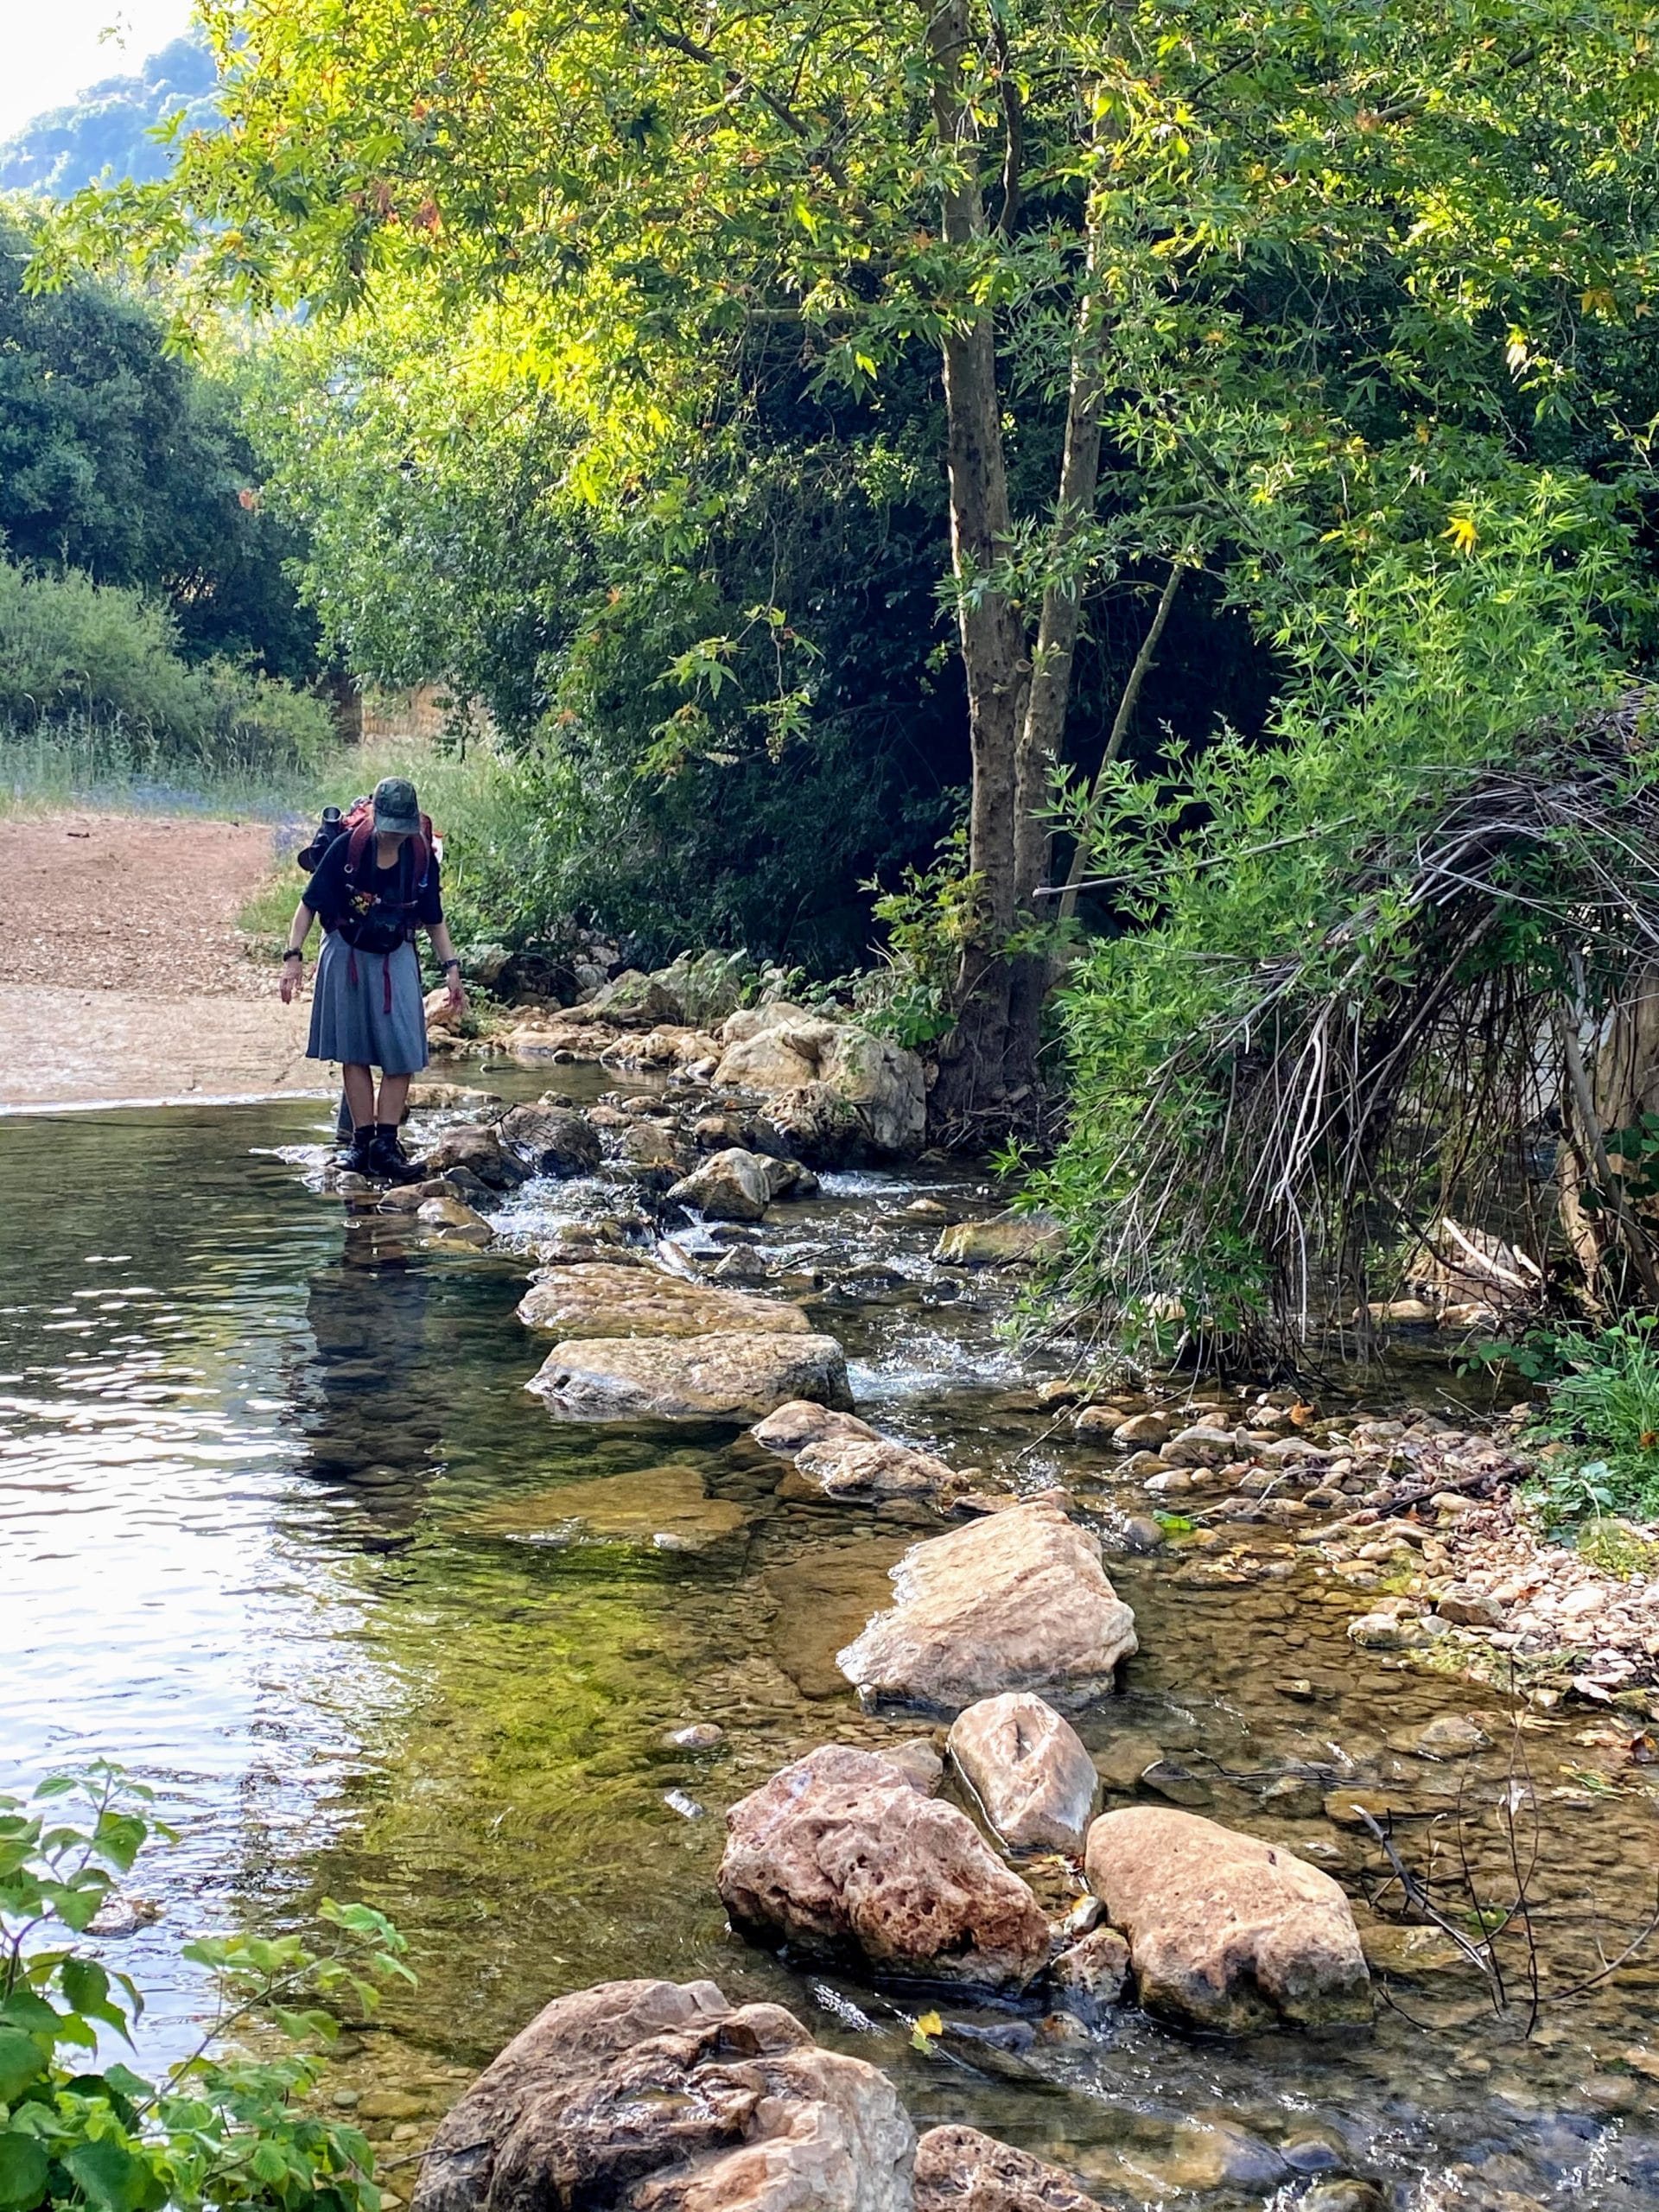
x=264, y=1478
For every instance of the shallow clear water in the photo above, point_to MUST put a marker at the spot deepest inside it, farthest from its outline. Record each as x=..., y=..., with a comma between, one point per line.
x=251, y=1462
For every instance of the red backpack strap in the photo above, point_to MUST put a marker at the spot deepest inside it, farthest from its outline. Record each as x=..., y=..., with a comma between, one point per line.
x=359, y=826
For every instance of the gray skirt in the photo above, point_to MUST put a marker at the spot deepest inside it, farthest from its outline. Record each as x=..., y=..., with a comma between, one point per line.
x=368, y=1008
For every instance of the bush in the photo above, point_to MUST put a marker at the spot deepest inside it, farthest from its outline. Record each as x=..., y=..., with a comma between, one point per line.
x=1599, y=1425
x=220, y=2129
x=70, y=648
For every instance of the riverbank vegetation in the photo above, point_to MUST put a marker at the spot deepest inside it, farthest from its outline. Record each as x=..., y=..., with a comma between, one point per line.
x=223, y=2126
x=1129, y=515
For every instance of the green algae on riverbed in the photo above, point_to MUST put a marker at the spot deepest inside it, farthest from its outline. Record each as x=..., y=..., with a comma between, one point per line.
x=258, y=1472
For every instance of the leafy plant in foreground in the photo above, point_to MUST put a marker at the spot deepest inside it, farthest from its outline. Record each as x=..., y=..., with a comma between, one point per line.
x=220, y=2128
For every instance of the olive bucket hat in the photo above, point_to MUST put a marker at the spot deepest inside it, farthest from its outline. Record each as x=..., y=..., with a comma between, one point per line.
x=396, y=811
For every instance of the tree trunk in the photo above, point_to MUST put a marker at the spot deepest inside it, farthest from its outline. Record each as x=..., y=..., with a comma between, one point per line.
x=1049, y=694
x=972, y=1060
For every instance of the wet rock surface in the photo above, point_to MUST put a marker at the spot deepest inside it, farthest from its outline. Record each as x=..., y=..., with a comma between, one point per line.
x=1017, y=1601
x=645, y=2094
x=601, y=1299
x=840, y=1852
x=738, y=1376
x=959, y=2170
x=1029, y=1769
x=1224, y=1930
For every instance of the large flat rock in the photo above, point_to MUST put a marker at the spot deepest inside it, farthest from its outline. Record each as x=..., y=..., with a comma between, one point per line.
x=1017, y=1601
x=1226, y=1931
x=728, y=1377
x=600, y=1299
x=840, y=1852
x=659, y=2096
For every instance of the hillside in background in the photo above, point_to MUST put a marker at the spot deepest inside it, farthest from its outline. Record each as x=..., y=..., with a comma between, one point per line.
x=108, y=127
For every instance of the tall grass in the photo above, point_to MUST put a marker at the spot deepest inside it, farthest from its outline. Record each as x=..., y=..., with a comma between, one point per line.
x=83, y=663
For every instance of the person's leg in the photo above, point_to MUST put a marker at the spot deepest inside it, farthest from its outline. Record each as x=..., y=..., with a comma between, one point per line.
x=394, y=1096
x=359, y=1086
x=388, y=1155
x=360, y=1095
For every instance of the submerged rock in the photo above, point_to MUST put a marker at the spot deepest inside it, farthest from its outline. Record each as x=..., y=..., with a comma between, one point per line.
x=600, y=1299
x=1019, y=1600
x=452, y=1221
x=802, y=1422
x=658, y=2096
x=1029, y=1769
x=959, y=2170
x=1224, y=1930
x=855, y=1466
x=1014, y=1240
x=729, y=1377
x=665, y=1507
x=842, y=1851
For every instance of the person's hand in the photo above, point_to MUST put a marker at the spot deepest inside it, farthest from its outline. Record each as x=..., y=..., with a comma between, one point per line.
x=457, y=993
x=293, y=978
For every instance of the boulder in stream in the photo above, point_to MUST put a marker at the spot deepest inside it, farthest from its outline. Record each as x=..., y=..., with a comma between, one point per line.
x=842, y=1852
x=602, y=1299
x=855, y=1466
x=1016, y=1601
x=959, y=2170
x=730, y=1185
x=452, y=1221
x=1013, y=1240
x=476, y=1147
x=737, y=1376
x=659, y=2096
x=1226, y=1931
x=1029, y=1769
x=551, y=1138
x=802, y=1422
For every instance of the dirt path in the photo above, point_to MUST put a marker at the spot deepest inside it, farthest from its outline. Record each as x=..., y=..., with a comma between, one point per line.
x=128, y=979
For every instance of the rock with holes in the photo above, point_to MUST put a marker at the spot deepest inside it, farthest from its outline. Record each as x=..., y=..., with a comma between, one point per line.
x=1089, y=1977
x=1029, y=1769
x=738, y=1375
x=841, y=1854
x=959, y=2170
x=659, y=2096
x=601, y=1298
x=1226, y=1931
x=1016, y=1601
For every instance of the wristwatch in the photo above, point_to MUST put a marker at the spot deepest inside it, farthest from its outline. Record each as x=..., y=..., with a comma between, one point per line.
x=294, y=953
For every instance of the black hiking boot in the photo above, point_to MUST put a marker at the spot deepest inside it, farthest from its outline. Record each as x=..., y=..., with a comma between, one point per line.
x=386, y=1157
x=358, y=1157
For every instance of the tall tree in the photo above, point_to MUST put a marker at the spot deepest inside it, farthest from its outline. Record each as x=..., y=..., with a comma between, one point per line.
x=1250, y=245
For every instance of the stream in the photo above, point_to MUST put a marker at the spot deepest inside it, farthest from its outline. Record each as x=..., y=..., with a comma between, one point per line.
x=249, y=1456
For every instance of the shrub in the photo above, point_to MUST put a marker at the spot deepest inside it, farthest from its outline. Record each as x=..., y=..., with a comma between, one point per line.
x=1599, y=1423
x=220, y=2128
x=71, y=648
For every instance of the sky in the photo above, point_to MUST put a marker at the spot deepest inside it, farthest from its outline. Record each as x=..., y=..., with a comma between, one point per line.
x=50, y=49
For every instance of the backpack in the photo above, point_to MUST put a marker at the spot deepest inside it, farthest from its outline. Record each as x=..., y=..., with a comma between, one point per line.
x=375, y=922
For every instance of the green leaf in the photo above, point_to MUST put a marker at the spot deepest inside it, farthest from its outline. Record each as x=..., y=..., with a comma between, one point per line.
x=21, y=2060
x=120, y=1837
x=23, y=2170
x=268, y=2164
x=112, y=2177
x=24, y=2009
